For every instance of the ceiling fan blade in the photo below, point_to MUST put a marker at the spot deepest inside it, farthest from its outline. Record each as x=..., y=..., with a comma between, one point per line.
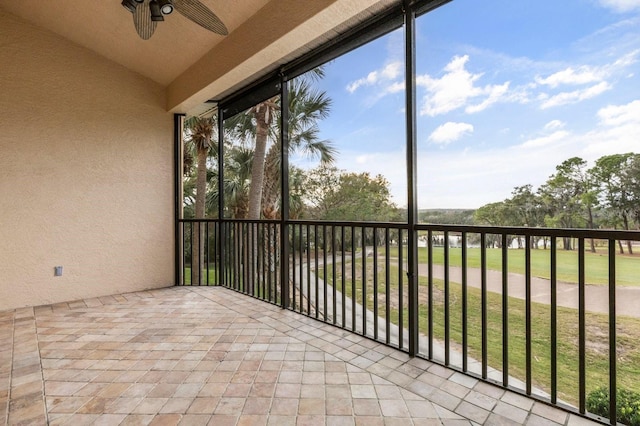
x=201, y=15
x=142, y=21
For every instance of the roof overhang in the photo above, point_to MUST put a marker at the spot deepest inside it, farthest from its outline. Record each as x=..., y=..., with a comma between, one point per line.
x=193, y=64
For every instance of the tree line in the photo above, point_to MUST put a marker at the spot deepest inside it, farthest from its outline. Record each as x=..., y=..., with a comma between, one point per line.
x=604, y=196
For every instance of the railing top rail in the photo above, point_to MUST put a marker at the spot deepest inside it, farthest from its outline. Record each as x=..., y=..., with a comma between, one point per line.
x=603, y=234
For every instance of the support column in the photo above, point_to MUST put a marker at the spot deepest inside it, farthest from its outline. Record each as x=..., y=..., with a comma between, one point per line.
x=284, y=191
x=412, y=246
x=178, y=120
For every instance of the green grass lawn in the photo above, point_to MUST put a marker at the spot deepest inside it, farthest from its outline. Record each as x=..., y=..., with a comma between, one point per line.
x=213, y=276
x=567, y=334
x=596, y=264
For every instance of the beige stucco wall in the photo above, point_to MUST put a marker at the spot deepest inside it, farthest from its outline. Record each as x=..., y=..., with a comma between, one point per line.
x=85, y=173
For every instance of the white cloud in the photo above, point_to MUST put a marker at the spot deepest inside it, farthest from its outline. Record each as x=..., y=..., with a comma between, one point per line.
x=389, y=72
x=553, y=138
x=363, y=159
x=554, y=125
x=575, y=96
x=496, y=93
x=616, y=115
x=456, y=88
x=370, y=79
x=392, y=70
x=583, y=75
x=621, y=5
x=449, y=132
x=395, y=87
x=586, y=74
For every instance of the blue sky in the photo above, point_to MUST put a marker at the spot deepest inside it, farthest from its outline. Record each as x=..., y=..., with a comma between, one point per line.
x=506, y=90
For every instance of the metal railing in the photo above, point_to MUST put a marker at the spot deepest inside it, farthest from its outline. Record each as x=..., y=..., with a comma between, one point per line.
x=530, y=309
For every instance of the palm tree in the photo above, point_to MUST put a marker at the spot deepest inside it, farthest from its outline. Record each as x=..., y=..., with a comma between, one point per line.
x=199, y=136
x=260, y=124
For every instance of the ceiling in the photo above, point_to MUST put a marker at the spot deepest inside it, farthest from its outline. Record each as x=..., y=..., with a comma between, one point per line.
x=192, y=63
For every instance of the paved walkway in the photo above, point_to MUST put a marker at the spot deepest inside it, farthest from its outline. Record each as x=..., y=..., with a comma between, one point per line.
x=596, y=296
x=210, y=356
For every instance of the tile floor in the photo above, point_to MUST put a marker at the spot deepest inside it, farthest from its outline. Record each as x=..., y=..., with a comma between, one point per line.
x=210, y=356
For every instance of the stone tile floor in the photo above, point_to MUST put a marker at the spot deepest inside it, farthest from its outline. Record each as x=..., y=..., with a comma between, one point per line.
x=210, y=356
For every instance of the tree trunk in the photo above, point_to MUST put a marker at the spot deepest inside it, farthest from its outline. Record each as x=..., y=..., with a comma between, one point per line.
x=593, y=244
x=197, y=248
x=257, y=167
x=271, y=184
x=626, y=227
x=262, y=114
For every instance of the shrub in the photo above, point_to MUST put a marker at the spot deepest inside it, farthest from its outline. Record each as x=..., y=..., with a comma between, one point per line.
x=627, y=405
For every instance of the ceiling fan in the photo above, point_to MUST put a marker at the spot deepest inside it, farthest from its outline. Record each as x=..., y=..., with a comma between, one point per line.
x=147, y=14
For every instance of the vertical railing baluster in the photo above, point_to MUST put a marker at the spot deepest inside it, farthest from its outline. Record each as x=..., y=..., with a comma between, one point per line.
x=267, y=276
x=303, y=250
x=245, y=246
x=353, y=278
x=316, y=268
x=334, y=280
x=293, y=254
x=308, y=269
x=324, y=269
x=242, y=271
x=447, y=324
x=465, y=331
x=216, y=252
x=483, y=297
x=229, y=254
x=246, y=234
x=256, y=281
x=242, y=267
x=387, y=286
x=206, y=256
x=582, y=365
x=184, y=254
x=430, y=291
x=256, y=256
x=375, y=283
x=400, y=290
x=363, y=233
x=505, y=310
x=278, y=256
x=264, y=234
x=242, y=262
x=272, y=270
x=553, y=265
x=235, y=259
x=528, y=319
x=198, y=223
x=261, y=232
x=226, y=236
x=192, y=254
x=613, y=352
x=250, y=255
x=343, y=271
x=272, y=252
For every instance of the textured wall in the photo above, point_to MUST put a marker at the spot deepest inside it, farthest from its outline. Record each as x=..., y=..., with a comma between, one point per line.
x=85, y=173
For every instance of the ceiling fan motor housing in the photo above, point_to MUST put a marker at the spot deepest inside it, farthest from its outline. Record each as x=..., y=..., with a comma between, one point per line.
x=146, y=14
